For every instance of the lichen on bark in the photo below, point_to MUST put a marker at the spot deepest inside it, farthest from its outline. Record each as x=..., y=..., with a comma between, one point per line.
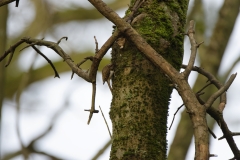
x=141, y=93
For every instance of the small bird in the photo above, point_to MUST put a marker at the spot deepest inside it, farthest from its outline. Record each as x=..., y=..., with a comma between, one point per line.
x=107, y=73
x=17, y=2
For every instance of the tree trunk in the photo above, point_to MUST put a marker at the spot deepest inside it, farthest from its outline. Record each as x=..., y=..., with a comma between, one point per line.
x=141, y=93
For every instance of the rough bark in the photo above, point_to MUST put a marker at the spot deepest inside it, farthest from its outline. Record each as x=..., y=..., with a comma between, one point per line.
x=141, y=93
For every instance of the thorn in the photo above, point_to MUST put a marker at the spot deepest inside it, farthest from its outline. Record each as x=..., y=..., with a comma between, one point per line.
x=17, y=2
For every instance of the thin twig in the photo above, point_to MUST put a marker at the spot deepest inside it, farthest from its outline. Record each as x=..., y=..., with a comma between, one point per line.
x=175, y=115
x=48, y=60
x=92, y=110
x=211, y=132
x=4, y=2
x=194, y=47
x=213, y=155
x=10, y=50
x=54, y=46
x=227, y=133
x=66, y=38
x=30, y=45
x=105, y=122
x=80, y=63
x=220, y=91
x=232, y=133
x=11, y=56
x=213, y=80
x=200, y=91
x=134, y=9
x=96, y=42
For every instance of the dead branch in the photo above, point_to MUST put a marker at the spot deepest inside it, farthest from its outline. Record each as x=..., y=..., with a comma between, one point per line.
x=11, y=50
x=4, y=2
x=80, y=63
x=213, y=80
x=88, y=76
x=195, y=106
x=227, y=133
x=48, y=60
x=232, y=133
x=211, y=132
x=99, y=55
x=105, y=122
x=96, y=43
x=220, y=91
x=196, y=109
x=54, y=46
x=175, y=115
x=194, y=47
x=217, y=114
x=92, y=110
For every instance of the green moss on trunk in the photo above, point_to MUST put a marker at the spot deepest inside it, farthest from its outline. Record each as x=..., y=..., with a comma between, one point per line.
x=141, y=92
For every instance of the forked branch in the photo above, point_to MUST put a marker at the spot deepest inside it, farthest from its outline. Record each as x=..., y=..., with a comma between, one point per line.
x=218, y=114
x=196, y=110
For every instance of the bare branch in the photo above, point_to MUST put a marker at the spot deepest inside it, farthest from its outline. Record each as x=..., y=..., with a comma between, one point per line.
x=49, y=61
x=140, y=43
x=66, y=38
x=105, y=122
x=232, y=133
x=92, y=110
x=98, y=57
x=200, y=91
x=89, y=77
x=211, y=132
x=11, y=50
x=4, y=2
x=217, y=115
x=227, y=133
x=194, y=47
x=54, y=46
x=96, y=43
x=220, y=91
x=175, y=115
x=80, y=63
x=213, y=155
x=212, y=79
x=194, y=107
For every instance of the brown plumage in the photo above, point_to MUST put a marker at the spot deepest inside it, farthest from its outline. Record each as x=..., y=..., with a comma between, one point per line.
x=107, y=73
